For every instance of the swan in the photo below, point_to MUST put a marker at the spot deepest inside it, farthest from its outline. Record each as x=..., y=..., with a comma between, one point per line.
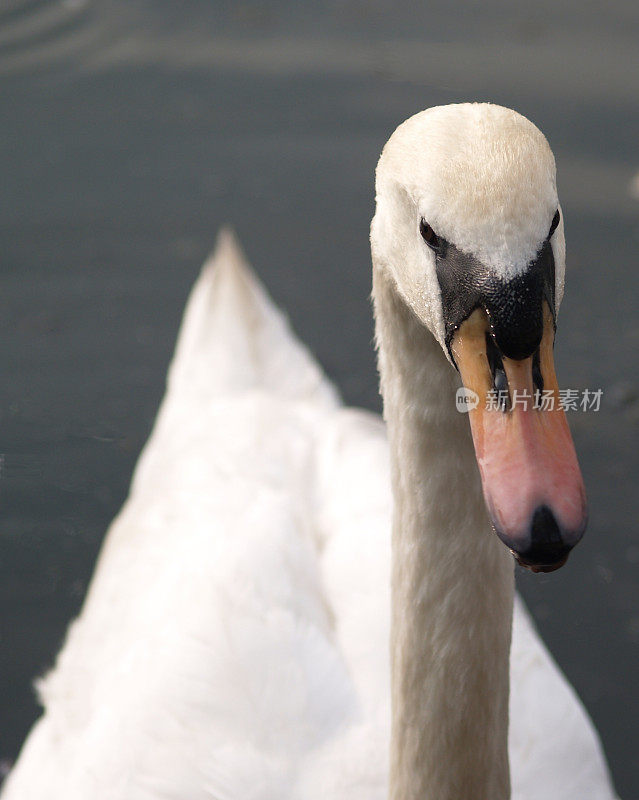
x=234, y=639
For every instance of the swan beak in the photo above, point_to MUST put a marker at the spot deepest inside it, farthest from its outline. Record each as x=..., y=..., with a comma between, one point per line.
x=530, y=476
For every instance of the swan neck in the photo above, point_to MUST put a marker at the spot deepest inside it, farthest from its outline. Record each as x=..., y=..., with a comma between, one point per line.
x=452, y=580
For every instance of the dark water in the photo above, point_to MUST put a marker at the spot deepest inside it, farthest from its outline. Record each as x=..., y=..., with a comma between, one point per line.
x=130, y=132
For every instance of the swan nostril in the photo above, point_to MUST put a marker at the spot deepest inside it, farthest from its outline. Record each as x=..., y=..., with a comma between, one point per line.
x=498, y=373
x=538, y=378
x=500, y=384
x=500, y=379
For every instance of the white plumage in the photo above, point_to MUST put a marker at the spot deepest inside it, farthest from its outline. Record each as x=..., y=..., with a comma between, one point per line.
x=234, y=640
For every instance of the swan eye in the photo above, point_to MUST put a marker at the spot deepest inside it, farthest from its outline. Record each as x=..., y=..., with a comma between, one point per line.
x=429, y=236
x=554, y=223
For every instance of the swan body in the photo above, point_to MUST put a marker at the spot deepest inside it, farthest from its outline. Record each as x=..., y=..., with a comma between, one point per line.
x=234, y=640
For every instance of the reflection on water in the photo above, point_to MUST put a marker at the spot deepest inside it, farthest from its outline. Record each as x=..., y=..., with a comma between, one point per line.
x=38, y=34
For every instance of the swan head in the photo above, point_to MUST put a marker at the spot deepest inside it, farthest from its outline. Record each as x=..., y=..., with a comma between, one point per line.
x=469, y=230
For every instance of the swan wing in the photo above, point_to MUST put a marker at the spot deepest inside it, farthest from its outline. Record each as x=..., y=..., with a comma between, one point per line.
x=238, y=648
x=204, y=663
x=554, y=748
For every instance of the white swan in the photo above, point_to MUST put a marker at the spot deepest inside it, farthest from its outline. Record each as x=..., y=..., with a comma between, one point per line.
x=234, y=640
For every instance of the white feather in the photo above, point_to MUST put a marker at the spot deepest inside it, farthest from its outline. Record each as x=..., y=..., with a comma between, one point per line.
x=234, y=643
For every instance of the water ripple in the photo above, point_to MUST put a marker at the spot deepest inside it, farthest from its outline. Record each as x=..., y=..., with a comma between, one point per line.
x=40, y=34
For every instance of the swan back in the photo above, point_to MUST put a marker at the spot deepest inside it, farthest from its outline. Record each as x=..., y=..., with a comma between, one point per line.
x=234, y=641
x=219, y=653
x=233, y=338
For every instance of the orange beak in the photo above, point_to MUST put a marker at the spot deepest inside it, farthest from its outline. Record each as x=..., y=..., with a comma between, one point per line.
x=530, y=476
